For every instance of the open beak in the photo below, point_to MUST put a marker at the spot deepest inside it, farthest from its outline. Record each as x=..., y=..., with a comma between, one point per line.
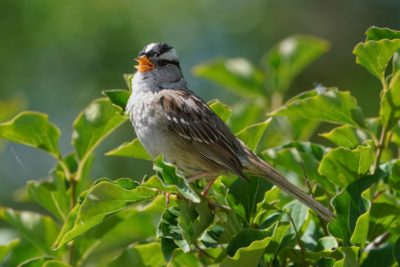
x=144, y=64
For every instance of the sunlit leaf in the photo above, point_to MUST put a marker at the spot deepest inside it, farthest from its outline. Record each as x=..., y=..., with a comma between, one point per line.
x=32, y=129
x=375, y=55
x=141, y=255
x=376, y=34
x=94, y=124
x=324, y=104
x=6, y=248
x=287, y=59
x=349, y=206
x=342, y=165
x=39, y=230
x=345, y=136
x=132, y=149
x=103, y=199
x=248, y=247
x=237, y=75
x=222, y=110
x=252, y=135
x=118, y=97
x=170, y=176
x=390, y=103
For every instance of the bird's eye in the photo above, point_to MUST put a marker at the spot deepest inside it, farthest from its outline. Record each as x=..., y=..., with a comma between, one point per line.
x=163, y=62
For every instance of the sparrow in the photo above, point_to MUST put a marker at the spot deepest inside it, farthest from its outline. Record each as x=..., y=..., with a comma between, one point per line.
x=170, y=119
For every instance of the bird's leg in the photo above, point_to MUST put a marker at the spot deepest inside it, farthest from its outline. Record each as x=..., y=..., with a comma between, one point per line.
x=197, y=176
x=204, y=193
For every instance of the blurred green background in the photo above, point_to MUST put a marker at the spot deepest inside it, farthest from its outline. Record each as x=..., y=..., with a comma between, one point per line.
x=57, y=56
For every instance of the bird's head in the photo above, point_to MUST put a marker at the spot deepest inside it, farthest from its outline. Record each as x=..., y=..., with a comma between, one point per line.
x=156, y=56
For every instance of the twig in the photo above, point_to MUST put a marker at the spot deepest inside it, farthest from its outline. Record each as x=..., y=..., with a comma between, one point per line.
x=302, y=250
x=377, y=241
x=322, y=222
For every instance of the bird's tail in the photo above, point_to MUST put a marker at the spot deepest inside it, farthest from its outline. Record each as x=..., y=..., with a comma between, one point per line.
x=262, y=169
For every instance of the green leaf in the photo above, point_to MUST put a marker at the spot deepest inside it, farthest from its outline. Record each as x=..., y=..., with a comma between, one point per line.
x=324, y=104
x=390, y=103
x=349, y=206
x=396, y=250
x=43, y=262
x=245, y=113
x=32, y=129
x=37, y=229
x=345, y=136
x=128, y=80
x=170, y=177
x=243, y=196
x=383, y=217
x=342, y=165
x=350, y=258
x=51, y=194
x=237, y=75
x=222, y=110
x=103, y=199
x=171, y=233
x=140, y=255
x=248, y=247
x=194, y=218
x=253, y=134
x=381, y=256
x=5, y=249
x=376, y=34
x=375, y=55
x=300, y=158
x=118, y=97
x=286, y=60
x=93, y=125
x=132, y=149
x=21, y=252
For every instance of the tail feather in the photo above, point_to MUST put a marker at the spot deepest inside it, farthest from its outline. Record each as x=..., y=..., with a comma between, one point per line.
x=267, y=172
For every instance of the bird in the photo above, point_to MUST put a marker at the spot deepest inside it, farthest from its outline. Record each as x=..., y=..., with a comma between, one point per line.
x=171, y=120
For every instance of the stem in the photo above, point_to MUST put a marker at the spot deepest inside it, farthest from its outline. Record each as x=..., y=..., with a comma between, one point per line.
x=381, y=146
x=302, y=250
x=322, y=222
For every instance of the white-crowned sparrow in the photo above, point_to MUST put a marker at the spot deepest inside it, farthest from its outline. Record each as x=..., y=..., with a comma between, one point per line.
x=170, y=119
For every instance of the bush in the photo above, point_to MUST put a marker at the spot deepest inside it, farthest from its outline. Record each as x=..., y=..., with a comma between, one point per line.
x=123, y=222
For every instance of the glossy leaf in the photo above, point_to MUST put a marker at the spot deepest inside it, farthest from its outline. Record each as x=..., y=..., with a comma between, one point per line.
x=194, y=219
x=103, y=199
x=237, y=75
x=324, y=104
x=301, y=158
x=286, y=60
x=32, y=129
x=132, y=149
x=243, y=196
x=94, y=124
x=248, y=247
x=390, y=103
x=6, y=248
x=39, y=230
x=349, y=206
x=171, y=177
x=345, y=136
x=350, y=257
x=376, y=34
x=375, y=55
x=222, y=110
x=253, y=134
x=118, y=97
x=51, y=194
x=343, y=166
x=141, y=255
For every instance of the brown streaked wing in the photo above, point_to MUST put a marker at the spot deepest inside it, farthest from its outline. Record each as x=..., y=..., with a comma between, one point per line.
x=201, y=129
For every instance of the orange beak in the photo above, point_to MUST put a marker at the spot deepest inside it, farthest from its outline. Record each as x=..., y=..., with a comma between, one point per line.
x=144, y=64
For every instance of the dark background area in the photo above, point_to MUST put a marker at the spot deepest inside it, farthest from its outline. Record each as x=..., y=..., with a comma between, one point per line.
x=57, y=57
